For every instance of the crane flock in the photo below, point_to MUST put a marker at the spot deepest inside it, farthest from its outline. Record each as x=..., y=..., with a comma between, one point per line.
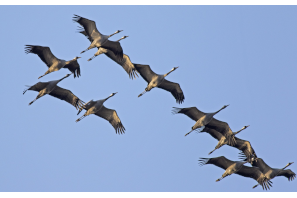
x=205, y=122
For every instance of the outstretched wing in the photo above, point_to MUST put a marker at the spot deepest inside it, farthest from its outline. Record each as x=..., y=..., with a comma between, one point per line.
x=68, y=96
x=247, y=152
x=112, y=117
x=37, y=87
x=115, y=47
x=175, y=90
x=44, y=53
x=89, y=26
x=215, y=134
x=259, y=162
x=191, y=112
x=221, y=162
x=125, y=63
x=74, y=67
x=84, y=33
x=145, y=71
x=256, y=174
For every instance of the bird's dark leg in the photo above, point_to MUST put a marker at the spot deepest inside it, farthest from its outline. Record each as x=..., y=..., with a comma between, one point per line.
x=219, y=179
x=142, y=93
x=91, y=58
x=79, y=119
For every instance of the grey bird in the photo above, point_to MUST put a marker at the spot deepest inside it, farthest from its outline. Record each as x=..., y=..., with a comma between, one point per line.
x=52, y=89
x=224, y=163
x=98, y=39
x=125, y=62
x=97, y=108
x=155, y=80
x=204, y=120
x=221, y=127
x=271, y=173
x=52, y=62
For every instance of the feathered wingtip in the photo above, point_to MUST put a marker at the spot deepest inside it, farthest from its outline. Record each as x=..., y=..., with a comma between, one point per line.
x=203, y=161
x=76, y=18
x=180, y=98
x=28, y=49
x=133, y=74
x=120, y=129
x=264, y=182
x=231, y=140
x=175, y=110
x=26, y=89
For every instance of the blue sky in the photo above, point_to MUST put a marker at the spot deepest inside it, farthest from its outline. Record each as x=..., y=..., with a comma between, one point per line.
x=244, y=56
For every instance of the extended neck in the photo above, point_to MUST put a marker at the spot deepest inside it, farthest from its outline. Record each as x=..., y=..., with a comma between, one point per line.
x=110, y=96
x=241, y=129
x=221, y=109
x=170, y=71
x=122, y=38
x=115, y=33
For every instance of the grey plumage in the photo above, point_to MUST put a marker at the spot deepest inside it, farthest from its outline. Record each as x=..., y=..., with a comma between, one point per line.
x=52, y=62
x=97, y=108
x=155, y=80
x=52, y=89
x=97, y=39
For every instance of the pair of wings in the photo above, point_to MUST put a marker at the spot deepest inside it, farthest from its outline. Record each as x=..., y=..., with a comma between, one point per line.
x=92, y=33
x=245, y=171
x=125, y=62
x=216, y=128
x=147, y=74
x=66, y=95
x=48, y=58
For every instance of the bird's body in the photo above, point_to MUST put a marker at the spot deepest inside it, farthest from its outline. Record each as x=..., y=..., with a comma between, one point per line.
x=271, y=173
x=52, y=89
x=222, y=162
x=97, y=39
x=204, y=120
x=243, y=145
x=53, y=63
x=155, y=80
x=125, y=62
x=221, y=127
x=97, y=108
x=223, y=139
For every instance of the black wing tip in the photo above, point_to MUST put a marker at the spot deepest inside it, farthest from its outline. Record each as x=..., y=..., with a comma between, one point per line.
x=120, y=129
x=76, y=18
x=29, y=48
x=175, y=110
x=203, y=161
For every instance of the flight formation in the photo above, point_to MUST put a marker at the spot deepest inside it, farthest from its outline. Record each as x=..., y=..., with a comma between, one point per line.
x=204, y=122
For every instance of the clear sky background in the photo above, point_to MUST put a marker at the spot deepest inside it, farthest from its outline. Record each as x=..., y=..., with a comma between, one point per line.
x=244, y=56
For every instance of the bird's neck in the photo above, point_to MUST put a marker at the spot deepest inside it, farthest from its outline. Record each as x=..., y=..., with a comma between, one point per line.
x=168, y=73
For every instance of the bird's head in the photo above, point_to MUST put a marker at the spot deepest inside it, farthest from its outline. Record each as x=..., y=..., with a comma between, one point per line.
x=118, y=31
x=75, y=58
x=225, y=106
x=174, y=68
x=67, y=75
x=113, y=94
x=124, y=37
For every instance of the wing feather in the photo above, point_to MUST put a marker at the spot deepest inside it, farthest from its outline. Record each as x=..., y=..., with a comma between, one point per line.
x=191, y=112
x=175, y=90
x=44, y=53
x=113, y=118
x=145, y=71
x=68, y=96
x=89, y=26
